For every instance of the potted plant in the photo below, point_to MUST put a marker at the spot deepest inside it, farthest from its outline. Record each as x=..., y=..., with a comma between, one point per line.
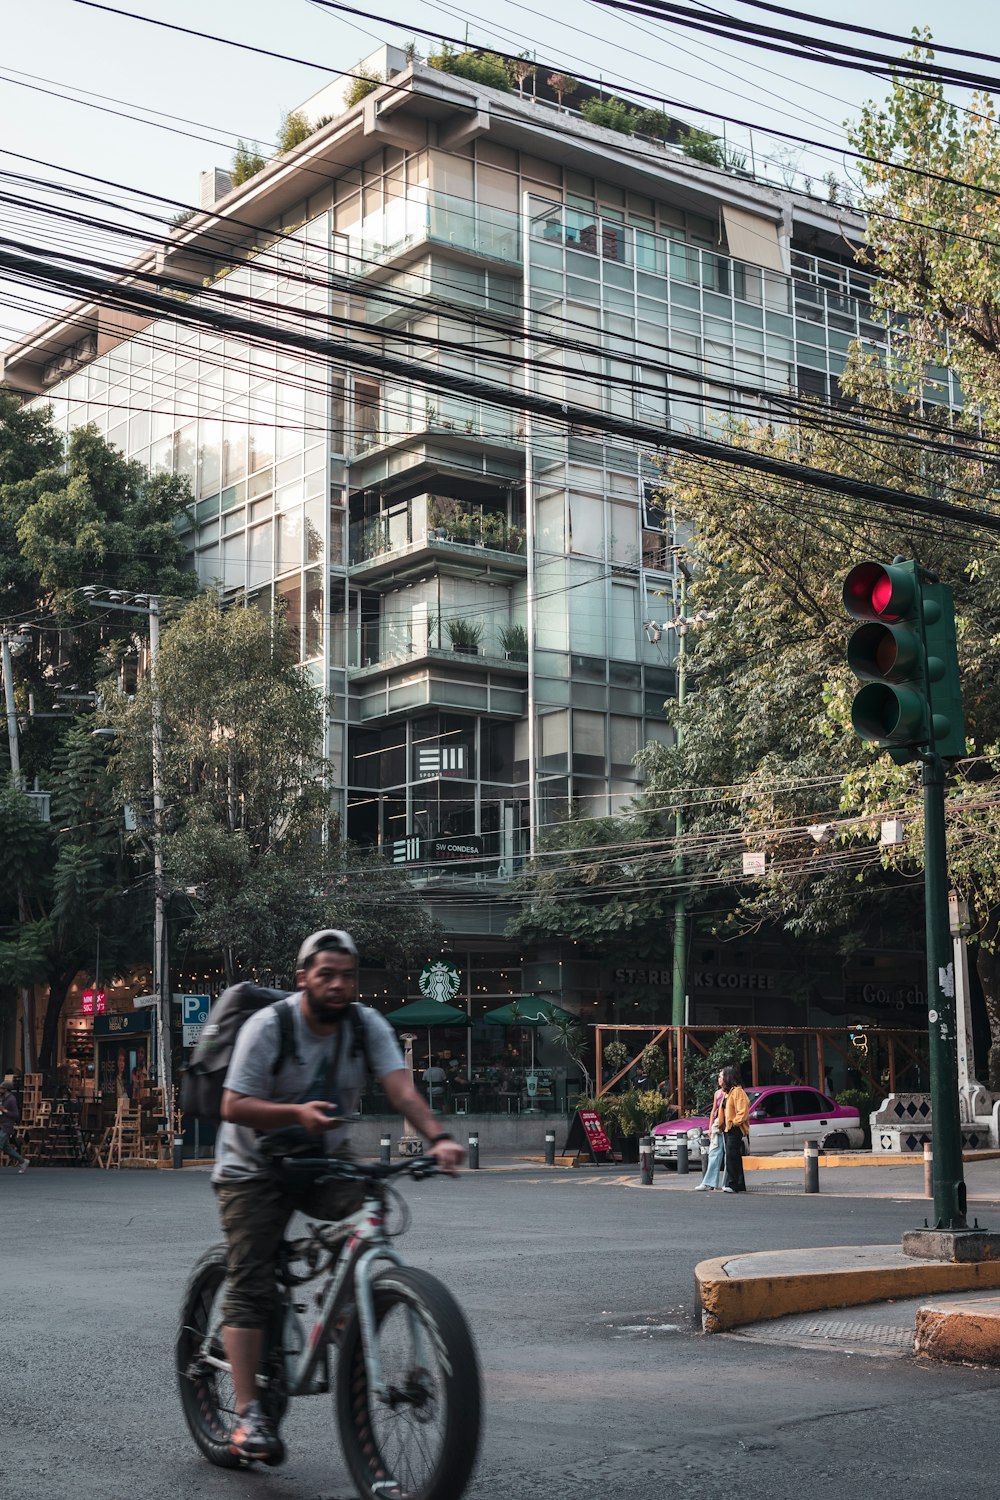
x=514, y=642
x=465, y=636
x=433, y=632
x=469, y=424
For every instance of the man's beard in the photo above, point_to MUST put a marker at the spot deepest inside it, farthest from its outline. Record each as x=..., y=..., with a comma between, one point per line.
x=327, y=1011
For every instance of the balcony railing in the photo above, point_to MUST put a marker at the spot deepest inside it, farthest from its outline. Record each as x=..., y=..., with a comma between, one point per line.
x=425, y=521
x=439, y=218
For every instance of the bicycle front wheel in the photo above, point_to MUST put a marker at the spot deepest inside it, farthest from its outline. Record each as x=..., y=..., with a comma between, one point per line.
x=419, y=1440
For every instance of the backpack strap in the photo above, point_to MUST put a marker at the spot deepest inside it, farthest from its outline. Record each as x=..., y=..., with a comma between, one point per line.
x=360, y=1047
x=286, y=1027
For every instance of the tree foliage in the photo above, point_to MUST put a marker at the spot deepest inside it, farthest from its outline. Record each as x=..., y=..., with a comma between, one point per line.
x=246, y=799
x=247, y=162
x=481, y=67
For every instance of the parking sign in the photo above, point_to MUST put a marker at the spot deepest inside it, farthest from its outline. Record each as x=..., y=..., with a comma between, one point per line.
x=194, y=1014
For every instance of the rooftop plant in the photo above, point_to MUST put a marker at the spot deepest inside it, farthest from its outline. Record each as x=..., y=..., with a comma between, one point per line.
x=361, y=85
x=481, y=67
x=247, y=162
x=613, y=114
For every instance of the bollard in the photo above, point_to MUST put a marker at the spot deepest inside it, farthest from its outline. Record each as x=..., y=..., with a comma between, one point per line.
x=646, y=1161
x=385, y=1148
x=178, y=1151
x=474, y=1150
x=810, y=1161
x=550, y=1148
x=682, y=1158
x=928, y=1170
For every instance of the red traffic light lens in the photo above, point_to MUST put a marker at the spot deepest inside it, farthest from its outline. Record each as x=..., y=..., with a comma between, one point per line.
x=875, y=592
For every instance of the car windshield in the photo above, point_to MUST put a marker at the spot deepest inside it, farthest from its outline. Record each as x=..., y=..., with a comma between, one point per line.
x=753, y=1094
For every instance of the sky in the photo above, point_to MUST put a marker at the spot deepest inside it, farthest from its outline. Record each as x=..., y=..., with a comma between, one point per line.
x=222, y=93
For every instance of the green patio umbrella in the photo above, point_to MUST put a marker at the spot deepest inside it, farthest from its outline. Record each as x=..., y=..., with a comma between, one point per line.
x=426, y=1014
x=531, y=1011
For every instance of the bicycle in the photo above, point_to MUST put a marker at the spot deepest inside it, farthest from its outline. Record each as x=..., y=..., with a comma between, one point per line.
x=408, y=1399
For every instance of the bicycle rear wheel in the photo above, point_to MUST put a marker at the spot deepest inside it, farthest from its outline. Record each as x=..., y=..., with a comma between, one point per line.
x=420, y=1441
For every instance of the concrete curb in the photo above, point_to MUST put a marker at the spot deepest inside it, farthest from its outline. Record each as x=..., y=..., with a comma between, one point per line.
x=861, y=1159
x=961, y=1331
x=732, y=1291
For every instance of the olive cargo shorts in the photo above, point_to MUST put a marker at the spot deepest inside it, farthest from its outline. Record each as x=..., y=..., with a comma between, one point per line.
x=255, y=1212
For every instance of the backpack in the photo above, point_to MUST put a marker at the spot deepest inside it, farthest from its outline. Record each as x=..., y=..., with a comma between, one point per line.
x=203, y=1080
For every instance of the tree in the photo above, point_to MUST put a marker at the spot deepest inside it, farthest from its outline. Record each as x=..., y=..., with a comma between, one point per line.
x=246, y=796
x=481, y=67
x=521, y=71
x=69, y=517
x=294, y=129
x=767, y=745
x=930, y=198
x=599, y=881
x=361, y=85
x=612, y=114
x=66, y=882
x=562, y=85
x=247, y=162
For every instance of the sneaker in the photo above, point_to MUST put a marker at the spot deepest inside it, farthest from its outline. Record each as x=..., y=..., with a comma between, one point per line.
x=728, y=1190
x=703, y=1187
x=254, y=1437
x=23, y=1168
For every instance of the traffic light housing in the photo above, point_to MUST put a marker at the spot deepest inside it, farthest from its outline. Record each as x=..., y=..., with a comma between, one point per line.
x=906, y=655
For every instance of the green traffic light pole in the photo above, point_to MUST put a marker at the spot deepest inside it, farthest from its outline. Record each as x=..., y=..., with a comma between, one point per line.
x=949, y=1182
x=911, y=705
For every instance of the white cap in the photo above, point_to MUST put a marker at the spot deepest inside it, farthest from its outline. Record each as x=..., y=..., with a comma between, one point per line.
x=329, y=939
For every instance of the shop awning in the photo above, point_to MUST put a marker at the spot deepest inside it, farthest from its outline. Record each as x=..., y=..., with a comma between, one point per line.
x=426, y=1013
x=528, y=1012
x=753, y=239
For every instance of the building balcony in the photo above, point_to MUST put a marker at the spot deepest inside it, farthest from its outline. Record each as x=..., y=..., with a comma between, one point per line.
x=412, y=534
x=433, y=218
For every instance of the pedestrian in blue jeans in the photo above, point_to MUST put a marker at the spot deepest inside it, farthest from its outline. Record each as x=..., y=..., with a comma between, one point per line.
x=717, y=1143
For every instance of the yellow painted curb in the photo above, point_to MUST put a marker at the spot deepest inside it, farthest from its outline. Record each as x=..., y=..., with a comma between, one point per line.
x=729, y=1301
x=866, y=1159
x=961, y=1331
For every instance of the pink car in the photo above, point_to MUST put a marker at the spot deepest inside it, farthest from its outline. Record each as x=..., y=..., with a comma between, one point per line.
x=782, y=1118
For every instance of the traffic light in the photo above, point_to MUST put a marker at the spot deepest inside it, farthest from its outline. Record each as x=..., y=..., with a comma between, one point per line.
x=906, y=656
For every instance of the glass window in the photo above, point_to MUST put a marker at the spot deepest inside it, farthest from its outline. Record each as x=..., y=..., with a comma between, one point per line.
x=260, y=554
x=314, y=612
x=290, y=540
x=289, y=604
x=775, y=1106
x=806, y=1102
x=624, y=737
x=553, y=734
x=589, y=755
x=624, y=622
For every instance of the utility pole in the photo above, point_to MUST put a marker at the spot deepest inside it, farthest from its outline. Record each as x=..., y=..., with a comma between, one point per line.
x=678, y=1009
x=18, y=641
x=682, y=623
x=149, y=605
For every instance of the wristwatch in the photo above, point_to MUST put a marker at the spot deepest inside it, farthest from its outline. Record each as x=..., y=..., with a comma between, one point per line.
x=445, y=1135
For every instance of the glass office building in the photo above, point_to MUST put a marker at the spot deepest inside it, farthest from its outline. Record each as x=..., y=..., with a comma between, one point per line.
x=470, y=586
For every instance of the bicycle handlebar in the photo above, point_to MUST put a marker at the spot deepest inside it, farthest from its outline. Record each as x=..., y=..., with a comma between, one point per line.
x=417, y=1167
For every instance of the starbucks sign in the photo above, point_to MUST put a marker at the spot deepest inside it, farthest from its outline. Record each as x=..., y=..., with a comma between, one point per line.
x=440, y=980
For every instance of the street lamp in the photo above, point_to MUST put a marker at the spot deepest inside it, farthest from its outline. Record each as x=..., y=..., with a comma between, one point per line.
x=149, y=605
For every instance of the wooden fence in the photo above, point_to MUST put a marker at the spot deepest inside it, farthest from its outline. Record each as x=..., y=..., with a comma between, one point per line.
x=886, y=1060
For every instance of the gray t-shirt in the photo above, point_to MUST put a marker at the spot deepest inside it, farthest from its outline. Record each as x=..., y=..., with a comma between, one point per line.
x=251, y=1073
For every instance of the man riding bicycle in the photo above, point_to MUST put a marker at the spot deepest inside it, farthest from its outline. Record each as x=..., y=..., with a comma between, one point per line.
x=319, y=1080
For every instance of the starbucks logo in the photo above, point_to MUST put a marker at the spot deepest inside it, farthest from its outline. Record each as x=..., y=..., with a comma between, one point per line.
x=440, y=981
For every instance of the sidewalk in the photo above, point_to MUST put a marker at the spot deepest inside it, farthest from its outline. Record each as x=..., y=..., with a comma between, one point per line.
x=939, y=1310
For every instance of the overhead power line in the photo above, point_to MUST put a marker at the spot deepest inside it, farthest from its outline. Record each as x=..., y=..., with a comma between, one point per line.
x=71, y=278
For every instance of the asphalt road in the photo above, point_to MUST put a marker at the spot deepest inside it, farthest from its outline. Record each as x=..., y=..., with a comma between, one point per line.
x=579, y=1288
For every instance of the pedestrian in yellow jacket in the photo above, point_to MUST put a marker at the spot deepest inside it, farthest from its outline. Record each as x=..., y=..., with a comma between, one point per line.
x=736, y=1127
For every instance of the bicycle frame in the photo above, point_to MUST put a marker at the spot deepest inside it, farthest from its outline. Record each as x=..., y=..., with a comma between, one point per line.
x=365, y=1244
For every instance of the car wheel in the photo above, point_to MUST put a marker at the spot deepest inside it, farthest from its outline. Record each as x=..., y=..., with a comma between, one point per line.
x=836, y=1142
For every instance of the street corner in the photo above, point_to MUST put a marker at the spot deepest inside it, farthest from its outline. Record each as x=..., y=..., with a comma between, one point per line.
x=961, y=1332
x=732, y=1291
